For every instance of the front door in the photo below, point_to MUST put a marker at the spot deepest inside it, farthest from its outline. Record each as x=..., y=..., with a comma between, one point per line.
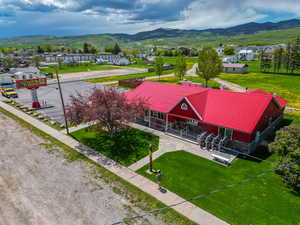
x=225, y=132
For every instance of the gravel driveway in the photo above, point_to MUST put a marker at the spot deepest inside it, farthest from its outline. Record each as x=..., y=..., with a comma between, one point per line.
x=39, y=186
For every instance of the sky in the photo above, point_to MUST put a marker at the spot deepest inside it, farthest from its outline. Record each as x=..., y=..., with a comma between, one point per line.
x=77, y=17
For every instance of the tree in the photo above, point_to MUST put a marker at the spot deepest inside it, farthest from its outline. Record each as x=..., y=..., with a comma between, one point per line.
x=287, y=58
x=287, y=145
x=108, y=109
x=180, y=67
x=159, y=66
x=278, y=59
x=116, y=49
x=40, y=50
x=265, y=61
x=86, y=47
x=37, y=59
x=109, y=48
x=209, y=64
x=229, y=50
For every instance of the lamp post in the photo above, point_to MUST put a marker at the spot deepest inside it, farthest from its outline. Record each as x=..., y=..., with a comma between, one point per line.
x=150, y=158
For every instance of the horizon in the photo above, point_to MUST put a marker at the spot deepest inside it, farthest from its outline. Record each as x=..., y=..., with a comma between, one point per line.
x=74, y=17
x=165, y=28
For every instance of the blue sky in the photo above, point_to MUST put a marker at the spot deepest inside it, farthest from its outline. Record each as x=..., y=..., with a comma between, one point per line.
x=75, y=17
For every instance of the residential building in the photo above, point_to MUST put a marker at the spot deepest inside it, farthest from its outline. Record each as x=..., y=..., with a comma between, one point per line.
x=231, y=59
x=246, y=55
x=235, y=68
x=217, y=119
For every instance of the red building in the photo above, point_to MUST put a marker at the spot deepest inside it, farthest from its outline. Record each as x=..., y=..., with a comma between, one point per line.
x=211, y=116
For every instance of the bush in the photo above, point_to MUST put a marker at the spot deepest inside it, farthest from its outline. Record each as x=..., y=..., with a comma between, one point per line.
x=287, y=145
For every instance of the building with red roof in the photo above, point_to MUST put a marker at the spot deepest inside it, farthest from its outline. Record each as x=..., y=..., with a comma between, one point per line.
x=243, y=118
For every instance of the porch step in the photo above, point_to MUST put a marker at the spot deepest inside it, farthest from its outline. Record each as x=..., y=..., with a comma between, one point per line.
x=182, y=138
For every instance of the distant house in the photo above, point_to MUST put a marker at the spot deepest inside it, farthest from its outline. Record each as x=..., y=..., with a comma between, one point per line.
x=123, y=61
x=25, y=73
x=220, y=50
x=235, y=68
x=6, y=80
x=246, y=55
x=231, y=59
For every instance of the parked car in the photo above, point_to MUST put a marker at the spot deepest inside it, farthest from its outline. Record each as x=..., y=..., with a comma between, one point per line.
x=49, y=75
x=9, y=93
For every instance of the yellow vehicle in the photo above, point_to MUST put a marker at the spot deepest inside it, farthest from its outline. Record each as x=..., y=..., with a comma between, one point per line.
x=9, y=93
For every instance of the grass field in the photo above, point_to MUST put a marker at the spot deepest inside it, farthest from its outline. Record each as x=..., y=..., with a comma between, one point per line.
x=263, y=201
x=286, y=86
x=129, y=145
x=123, y=77
x=79, y=68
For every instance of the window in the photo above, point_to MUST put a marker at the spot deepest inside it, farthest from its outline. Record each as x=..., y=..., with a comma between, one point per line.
x=184, y=106
x=157, y=115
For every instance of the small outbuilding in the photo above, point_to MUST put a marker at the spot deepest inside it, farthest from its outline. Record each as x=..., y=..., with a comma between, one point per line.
x=235, y=68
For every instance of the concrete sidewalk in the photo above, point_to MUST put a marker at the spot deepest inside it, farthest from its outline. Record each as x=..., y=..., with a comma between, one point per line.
x=168, y=143
x=187, y=209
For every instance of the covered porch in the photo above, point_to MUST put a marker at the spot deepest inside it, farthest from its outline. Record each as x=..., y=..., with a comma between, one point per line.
x=175, y=124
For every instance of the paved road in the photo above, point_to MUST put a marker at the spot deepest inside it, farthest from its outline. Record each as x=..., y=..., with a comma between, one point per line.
x=80, y=76
x=39, y=187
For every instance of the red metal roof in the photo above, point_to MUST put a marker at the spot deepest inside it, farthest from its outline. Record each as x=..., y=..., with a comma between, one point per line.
x=281, y=102
x=162, y=97
x=237, y=110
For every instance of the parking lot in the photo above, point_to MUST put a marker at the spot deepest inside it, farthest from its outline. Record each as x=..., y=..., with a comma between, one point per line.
x=49, y=96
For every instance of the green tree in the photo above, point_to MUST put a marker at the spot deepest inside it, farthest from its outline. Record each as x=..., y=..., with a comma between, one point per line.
x=278, y=55
x=116, y=49
x=287, y=145
x=109, y=48
x=265, y=61
x=37, y=59
x=86, y=47
x=229, y=50
x=40, y=50
x=159, y=66
x=209, y=64
x=180, y=67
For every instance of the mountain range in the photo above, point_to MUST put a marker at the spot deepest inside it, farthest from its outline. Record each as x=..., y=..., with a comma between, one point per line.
x=242, y=34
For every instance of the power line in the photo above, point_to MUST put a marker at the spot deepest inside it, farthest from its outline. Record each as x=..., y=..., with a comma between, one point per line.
x=249, y=179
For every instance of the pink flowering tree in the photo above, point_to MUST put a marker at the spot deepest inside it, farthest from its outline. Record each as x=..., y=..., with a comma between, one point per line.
x=108, y=109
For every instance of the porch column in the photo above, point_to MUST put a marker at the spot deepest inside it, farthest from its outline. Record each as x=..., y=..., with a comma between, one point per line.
x=167, y=121
x=149, y=118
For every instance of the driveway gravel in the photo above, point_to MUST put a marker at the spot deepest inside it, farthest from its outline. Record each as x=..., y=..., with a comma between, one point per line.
x=38, y=186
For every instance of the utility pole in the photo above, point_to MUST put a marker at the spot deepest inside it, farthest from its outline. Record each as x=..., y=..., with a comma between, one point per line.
x=62, y=100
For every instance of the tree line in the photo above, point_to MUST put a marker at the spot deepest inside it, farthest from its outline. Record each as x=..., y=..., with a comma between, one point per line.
x=282, y=60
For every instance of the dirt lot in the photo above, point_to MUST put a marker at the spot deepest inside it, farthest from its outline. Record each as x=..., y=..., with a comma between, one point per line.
x=39, y=186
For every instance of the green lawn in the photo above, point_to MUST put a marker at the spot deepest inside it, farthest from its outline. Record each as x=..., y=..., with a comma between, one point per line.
x=129, y=145
x=80, y=68
x=176, y=80
x=123, y=77
x=263, y=201
x=286, y=86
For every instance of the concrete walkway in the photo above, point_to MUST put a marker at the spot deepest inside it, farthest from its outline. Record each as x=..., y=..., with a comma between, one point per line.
x=230, y=85
x=187, y=209
x=168, y=143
